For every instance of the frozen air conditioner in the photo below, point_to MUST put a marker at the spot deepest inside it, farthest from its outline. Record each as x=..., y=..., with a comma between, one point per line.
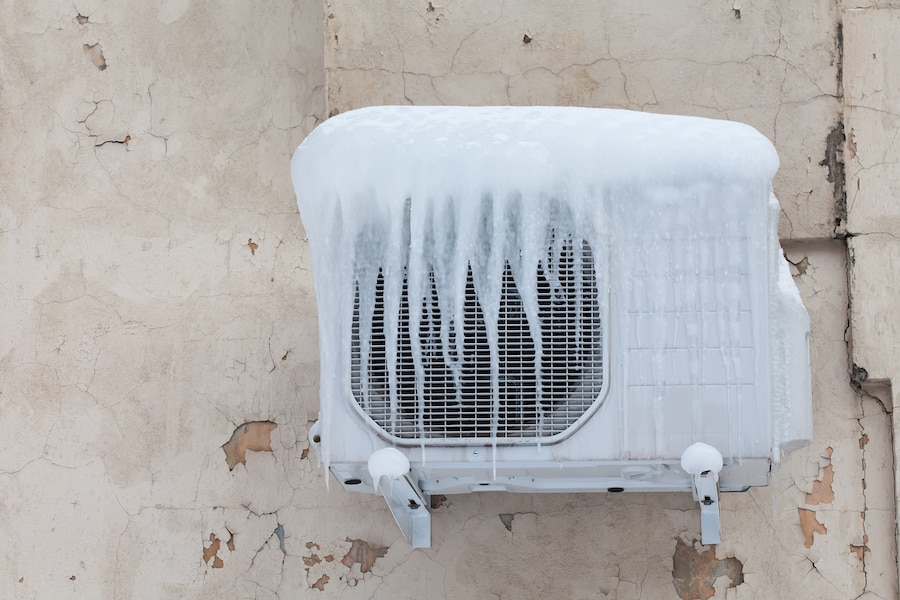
x=549, y=300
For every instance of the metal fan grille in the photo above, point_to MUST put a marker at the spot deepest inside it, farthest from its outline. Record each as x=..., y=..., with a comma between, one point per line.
x=457, y=390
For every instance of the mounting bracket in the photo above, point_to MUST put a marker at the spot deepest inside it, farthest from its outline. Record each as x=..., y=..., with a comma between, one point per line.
x=705, y=487
x=703, y=462
x=409, y=507
x=389, y=469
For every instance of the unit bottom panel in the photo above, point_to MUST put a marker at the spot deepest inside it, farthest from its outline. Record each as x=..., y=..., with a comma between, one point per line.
x=633, y=476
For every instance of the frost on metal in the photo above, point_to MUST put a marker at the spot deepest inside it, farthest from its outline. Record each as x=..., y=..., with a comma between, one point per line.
x=557, y=286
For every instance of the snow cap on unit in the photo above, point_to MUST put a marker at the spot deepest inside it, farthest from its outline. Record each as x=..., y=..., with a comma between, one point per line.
x=400, y=150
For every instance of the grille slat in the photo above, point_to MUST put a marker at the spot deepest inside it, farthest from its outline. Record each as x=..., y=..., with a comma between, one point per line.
x=543, y=386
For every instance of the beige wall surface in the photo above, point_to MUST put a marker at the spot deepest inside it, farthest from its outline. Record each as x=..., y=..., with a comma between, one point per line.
x=158, y=336
x=773, y=65
x=155, y=291
x=872, y=117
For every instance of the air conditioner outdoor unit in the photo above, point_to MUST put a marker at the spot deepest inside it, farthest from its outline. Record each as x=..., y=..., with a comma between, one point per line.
x=536, y=299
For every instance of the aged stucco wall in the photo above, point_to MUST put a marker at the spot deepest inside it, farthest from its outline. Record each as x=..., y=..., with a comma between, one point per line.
x=872, y=119
x=155, y=292
x=157, y=303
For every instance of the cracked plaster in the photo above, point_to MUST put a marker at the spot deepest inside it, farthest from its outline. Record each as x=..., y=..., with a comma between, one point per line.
x=775, y=68
x=143, y=327
x=872, y=156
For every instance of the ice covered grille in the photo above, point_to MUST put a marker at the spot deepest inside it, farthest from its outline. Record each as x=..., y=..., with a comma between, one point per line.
x=436, y=382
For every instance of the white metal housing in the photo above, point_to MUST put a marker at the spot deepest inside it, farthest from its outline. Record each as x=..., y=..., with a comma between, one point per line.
x=550, y=299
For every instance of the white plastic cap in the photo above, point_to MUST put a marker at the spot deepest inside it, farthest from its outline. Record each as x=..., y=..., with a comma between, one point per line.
x=387, y=461
x=701, y=457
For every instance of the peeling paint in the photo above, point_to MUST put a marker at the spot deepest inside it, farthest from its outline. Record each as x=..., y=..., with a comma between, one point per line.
x=364, y=554
x=809, y=525
x=212, y=551
x=437, y=501
x=823, y=489
x=799, y=268
x=279, y=533
x=861, y=550
x=95, y=54
x=320, y=583
x=314, y=559
x=254, y=436
x=694, y=573
x=507, y=519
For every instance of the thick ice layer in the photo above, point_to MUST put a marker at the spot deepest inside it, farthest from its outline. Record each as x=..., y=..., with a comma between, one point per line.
x=390, y=154
x=427, y=201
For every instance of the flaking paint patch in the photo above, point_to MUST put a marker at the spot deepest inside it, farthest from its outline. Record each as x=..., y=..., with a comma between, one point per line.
x=279, y=533
x=694, y=573
x=255, y=436
x=861, y=550
x=212, y=551
x=314, y=561
x=823, y=489
x=364, y=554
x=320, y=583
x=809, y=525
x=95, y=53
x=799, y=268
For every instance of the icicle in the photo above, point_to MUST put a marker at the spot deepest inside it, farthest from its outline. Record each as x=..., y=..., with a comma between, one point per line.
x=416, y=277
x=532, y=232
x=449, y=292
x=366, y=286
x=487, y=275
x=394, y=260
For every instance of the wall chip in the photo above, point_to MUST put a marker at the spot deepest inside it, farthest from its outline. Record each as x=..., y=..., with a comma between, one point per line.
x=694, y=573
x=255, y=436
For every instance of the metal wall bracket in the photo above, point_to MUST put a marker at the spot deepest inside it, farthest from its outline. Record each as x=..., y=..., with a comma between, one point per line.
x=703, y=463
x=409, y=507
x=705, y=488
